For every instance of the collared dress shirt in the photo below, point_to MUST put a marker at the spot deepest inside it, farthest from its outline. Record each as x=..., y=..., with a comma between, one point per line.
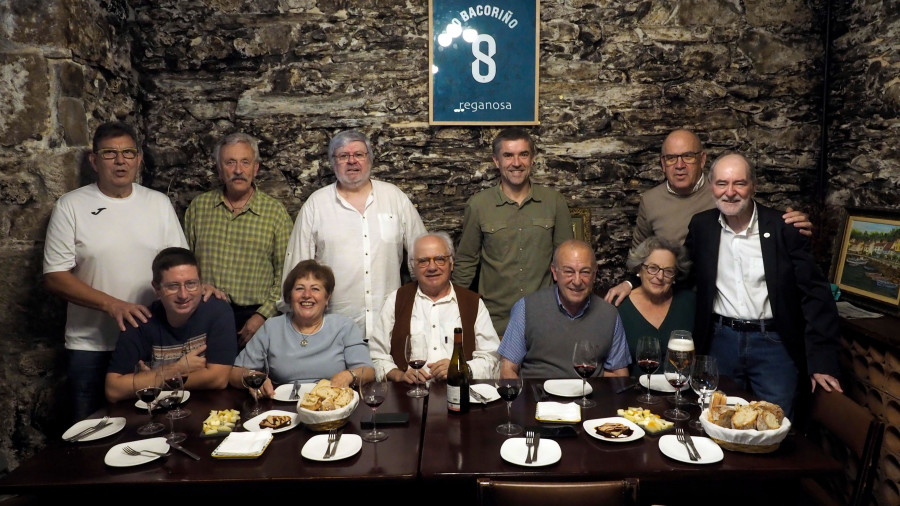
x=241, y=254
x=513, y=245
x=365, y=250
x=740, y=275
x=436, y=320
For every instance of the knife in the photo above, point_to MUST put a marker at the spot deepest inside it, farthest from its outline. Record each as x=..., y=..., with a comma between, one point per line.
x=626, y=388
x=537, y=442
x=184, y=450
x=336, y=443
x=102, y=424
x=690, y=443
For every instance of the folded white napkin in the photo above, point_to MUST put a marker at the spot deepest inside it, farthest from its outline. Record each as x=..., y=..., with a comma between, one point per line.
x=558, y=412
x=244, y=443
x=487, y=391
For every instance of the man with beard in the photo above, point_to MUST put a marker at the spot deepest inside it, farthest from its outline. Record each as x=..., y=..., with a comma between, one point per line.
x=545, y=325
x=666, y=209
x=360, y=227
x=239, y=235
x=510, y=230
x=183, y=326
x=431, y=306
x=764, y=309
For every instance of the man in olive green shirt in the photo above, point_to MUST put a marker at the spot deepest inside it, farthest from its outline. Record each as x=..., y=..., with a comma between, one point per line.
x=511, y=230
x=240, y=235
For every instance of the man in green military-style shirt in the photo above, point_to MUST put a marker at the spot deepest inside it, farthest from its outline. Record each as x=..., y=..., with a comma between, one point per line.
x=511, y=230
x=240, y=235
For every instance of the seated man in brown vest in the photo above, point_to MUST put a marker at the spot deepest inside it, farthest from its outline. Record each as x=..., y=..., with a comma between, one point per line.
x=432, y=306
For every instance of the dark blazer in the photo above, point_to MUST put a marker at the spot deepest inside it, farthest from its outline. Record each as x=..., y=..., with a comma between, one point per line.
x=804, y=310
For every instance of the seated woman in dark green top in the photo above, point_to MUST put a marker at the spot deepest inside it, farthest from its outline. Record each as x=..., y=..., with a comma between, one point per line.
x=655, y=308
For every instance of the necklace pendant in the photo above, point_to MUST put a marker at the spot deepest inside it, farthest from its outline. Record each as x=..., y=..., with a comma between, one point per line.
x=304, y=342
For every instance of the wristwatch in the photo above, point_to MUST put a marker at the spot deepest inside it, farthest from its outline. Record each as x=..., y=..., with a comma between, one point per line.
x=355, y=379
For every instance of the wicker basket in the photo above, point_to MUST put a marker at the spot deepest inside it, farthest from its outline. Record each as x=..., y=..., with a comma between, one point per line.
x=746, y=441
x=327, y=420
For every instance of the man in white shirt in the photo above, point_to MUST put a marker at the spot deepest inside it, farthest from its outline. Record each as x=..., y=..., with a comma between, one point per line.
x=764, y=309
x=101, y=241
x=357, y=226
x=432, y=307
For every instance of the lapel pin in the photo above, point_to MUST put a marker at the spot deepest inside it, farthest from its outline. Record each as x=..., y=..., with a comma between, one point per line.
x=766, y=235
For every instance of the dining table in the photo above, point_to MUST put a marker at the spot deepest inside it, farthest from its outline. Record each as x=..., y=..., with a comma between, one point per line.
x=458, y=449
x=436, y=455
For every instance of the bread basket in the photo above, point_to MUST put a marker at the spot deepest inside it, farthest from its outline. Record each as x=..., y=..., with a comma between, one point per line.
x=748, y=440
x=325, y=420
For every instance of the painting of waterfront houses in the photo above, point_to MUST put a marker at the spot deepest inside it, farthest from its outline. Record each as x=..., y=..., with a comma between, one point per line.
x=869, y=263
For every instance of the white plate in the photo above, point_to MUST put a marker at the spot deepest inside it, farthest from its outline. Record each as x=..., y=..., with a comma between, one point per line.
x=658, y=383
x=117, y=424
x=709, y=451
x=116, y=456
x=252, y=424
x=143, y=405
x=514, y=451
x=283, y=393
x=566, y=387
x=487, y=391
x=314, y=449
x=590, y=424
x=731, y=401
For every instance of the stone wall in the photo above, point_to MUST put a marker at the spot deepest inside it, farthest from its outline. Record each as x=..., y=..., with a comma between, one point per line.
x=616, y=76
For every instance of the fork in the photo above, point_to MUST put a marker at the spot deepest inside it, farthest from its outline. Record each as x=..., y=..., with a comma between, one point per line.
x=529, y=442
x=679, y=432
x=137, y=453
x=332, y=437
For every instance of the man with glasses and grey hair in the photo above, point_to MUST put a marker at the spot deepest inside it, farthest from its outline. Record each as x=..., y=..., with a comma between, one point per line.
x=240, y=234
x=183, y=327
x=358, y=226
x=431, y=307
x=666, y=209
x=100, y=243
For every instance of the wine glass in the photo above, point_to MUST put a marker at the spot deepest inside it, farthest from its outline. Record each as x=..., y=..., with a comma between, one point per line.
x=584, y=359
x=147, y=385
x=679, y=356
x=648, y=357
x=174, y=376
x=254, y=378
x=704, y=381
x=509, y=389
x=373, y=394
x=174, y=387
x=416, y=355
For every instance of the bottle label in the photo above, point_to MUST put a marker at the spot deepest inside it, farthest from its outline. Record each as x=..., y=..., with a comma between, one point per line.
x=453, y=398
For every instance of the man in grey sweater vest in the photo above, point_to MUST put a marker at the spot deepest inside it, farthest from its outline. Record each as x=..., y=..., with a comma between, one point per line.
x=545, y=325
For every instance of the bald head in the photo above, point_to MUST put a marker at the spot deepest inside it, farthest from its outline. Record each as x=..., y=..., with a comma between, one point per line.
x=682, y=159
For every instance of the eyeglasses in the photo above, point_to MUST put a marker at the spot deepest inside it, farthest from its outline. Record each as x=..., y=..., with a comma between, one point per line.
x=345, y=157
x=689, y=157
x=439, y=260
x=112, y=154
x=653, y=270
x=173, y=288
x=245, y=164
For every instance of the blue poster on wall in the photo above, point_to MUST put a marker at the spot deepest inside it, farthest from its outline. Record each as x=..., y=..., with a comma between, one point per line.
x=484, y=62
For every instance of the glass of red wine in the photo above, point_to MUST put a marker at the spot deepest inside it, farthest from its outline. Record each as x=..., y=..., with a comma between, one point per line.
x=147, y=386
x=174, y=376
x=254, y=378
x=373, y=393
x=416, y=356
x=648, y=356
x=509, y=389
x=584, y=359
x=677, y=376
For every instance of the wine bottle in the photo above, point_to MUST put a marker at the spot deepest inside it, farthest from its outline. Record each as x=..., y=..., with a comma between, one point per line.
x=458, y=377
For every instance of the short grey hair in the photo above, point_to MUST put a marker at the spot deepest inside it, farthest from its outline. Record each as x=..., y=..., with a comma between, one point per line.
x=443, y=236
x=346, y=137
x=236, y=138
x=639, y=254
x=751, y=170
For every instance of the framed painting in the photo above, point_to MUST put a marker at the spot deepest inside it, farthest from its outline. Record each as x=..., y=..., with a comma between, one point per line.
x=867, y=264
x=483, y=62
x=581, y=223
